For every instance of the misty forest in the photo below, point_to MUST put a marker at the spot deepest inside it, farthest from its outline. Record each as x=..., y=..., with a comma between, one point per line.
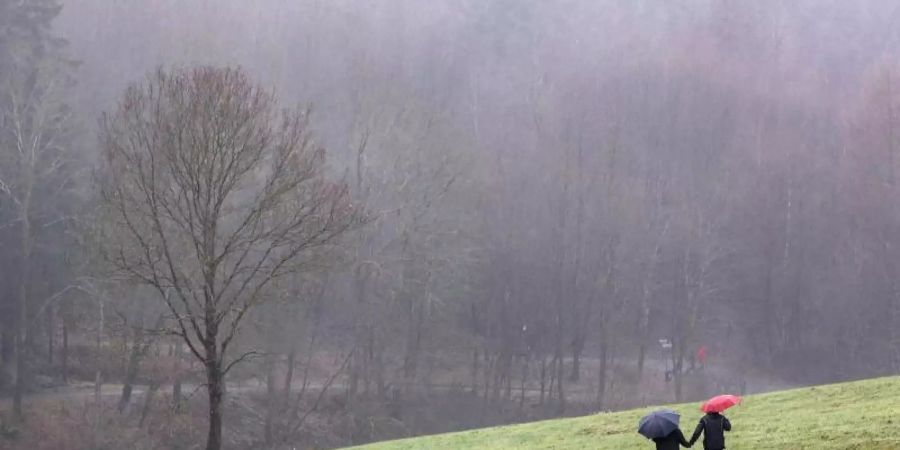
x=286, y=224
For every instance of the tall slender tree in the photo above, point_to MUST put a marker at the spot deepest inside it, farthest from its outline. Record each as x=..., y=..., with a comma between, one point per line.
x=36, y=141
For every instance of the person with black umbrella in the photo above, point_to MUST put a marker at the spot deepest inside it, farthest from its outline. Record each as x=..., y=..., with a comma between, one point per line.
x=662, y=428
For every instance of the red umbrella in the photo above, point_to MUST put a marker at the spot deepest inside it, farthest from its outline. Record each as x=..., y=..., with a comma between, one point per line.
x=720, y=403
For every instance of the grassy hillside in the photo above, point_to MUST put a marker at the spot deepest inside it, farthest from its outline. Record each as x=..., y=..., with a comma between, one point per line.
x=858, y=415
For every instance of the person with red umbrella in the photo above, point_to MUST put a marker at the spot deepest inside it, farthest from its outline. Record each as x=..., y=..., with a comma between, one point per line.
x=714, y=425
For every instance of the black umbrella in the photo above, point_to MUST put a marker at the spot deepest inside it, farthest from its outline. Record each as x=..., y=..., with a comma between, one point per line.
x=658, y=424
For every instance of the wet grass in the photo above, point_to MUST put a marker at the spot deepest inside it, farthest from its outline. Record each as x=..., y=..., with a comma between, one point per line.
x=857, y=415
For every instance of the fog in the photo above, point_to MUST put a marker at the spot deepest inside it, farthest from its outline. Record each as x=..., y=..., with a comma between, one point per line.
x=445, y=214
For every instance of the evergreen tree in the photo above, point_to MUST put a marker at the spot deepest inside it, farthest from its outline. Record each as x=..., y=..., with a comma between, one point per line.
x=35, y=162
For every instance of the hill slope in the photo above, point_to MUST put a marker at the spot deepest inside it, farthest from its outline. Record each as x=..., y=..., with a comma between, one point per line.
x=857, y=415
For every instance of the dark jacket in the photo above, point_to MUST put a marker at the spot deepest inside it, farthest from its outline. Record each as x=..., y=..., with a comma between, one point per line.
x=713, y=426
x=673, y=441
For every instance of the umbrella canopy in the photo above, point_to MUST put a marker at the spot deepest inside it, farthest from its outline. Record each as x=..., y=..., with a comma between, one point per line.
x=658, y=424
x=720, y=403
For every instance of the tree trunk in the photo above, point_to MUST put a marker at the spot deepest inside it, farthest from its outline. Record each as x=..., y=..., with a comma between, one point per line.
x=507, y=373
x=527, y=359
x=19, y=351
x=678, y=386
x=7, y=338
x=358, y=360
x=601, y=379
x=577, y=349
x=643, y=332
x=289, y=375
x=269, y=434
x=486, y=374
x=21, y=307
x=65, y=351
x=98, y=379
x=413, y=341
x=677, y=366
x=176, y=394
x=140, y=347
x=131, y=371
x=560, y=363
x=378, y=367
x=497, y=382
x=353, y=382
x=50, y=335
x=475, y=371
x=642, y=355
x=560, y=392
x=215, y=388
x=552, y=382
x=543, y=378
x=289, y=381
x=176, y=384
x=148, y=402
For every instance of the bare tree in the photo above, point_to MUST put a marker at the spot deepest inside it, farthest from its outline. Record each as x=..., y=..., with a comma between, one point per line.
x=35, y=123
x=209, y=192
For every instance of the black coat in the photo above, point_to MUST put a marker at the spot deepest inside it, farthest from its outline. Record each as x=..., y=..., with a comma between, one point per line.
x=713, y=426
x=673, y=441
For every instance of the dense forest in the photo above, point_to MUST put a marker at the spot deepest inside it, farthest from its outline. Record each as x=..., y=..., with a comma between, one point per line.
x=314, y=223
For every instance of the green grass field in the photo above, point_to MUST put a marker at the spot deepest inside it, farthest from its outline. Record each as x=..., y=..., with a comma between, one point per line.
x=858, y=415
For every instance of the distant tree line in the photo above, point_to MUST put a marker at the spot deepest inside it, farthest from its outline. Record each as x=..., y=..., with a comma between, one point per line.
x=508, y=203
